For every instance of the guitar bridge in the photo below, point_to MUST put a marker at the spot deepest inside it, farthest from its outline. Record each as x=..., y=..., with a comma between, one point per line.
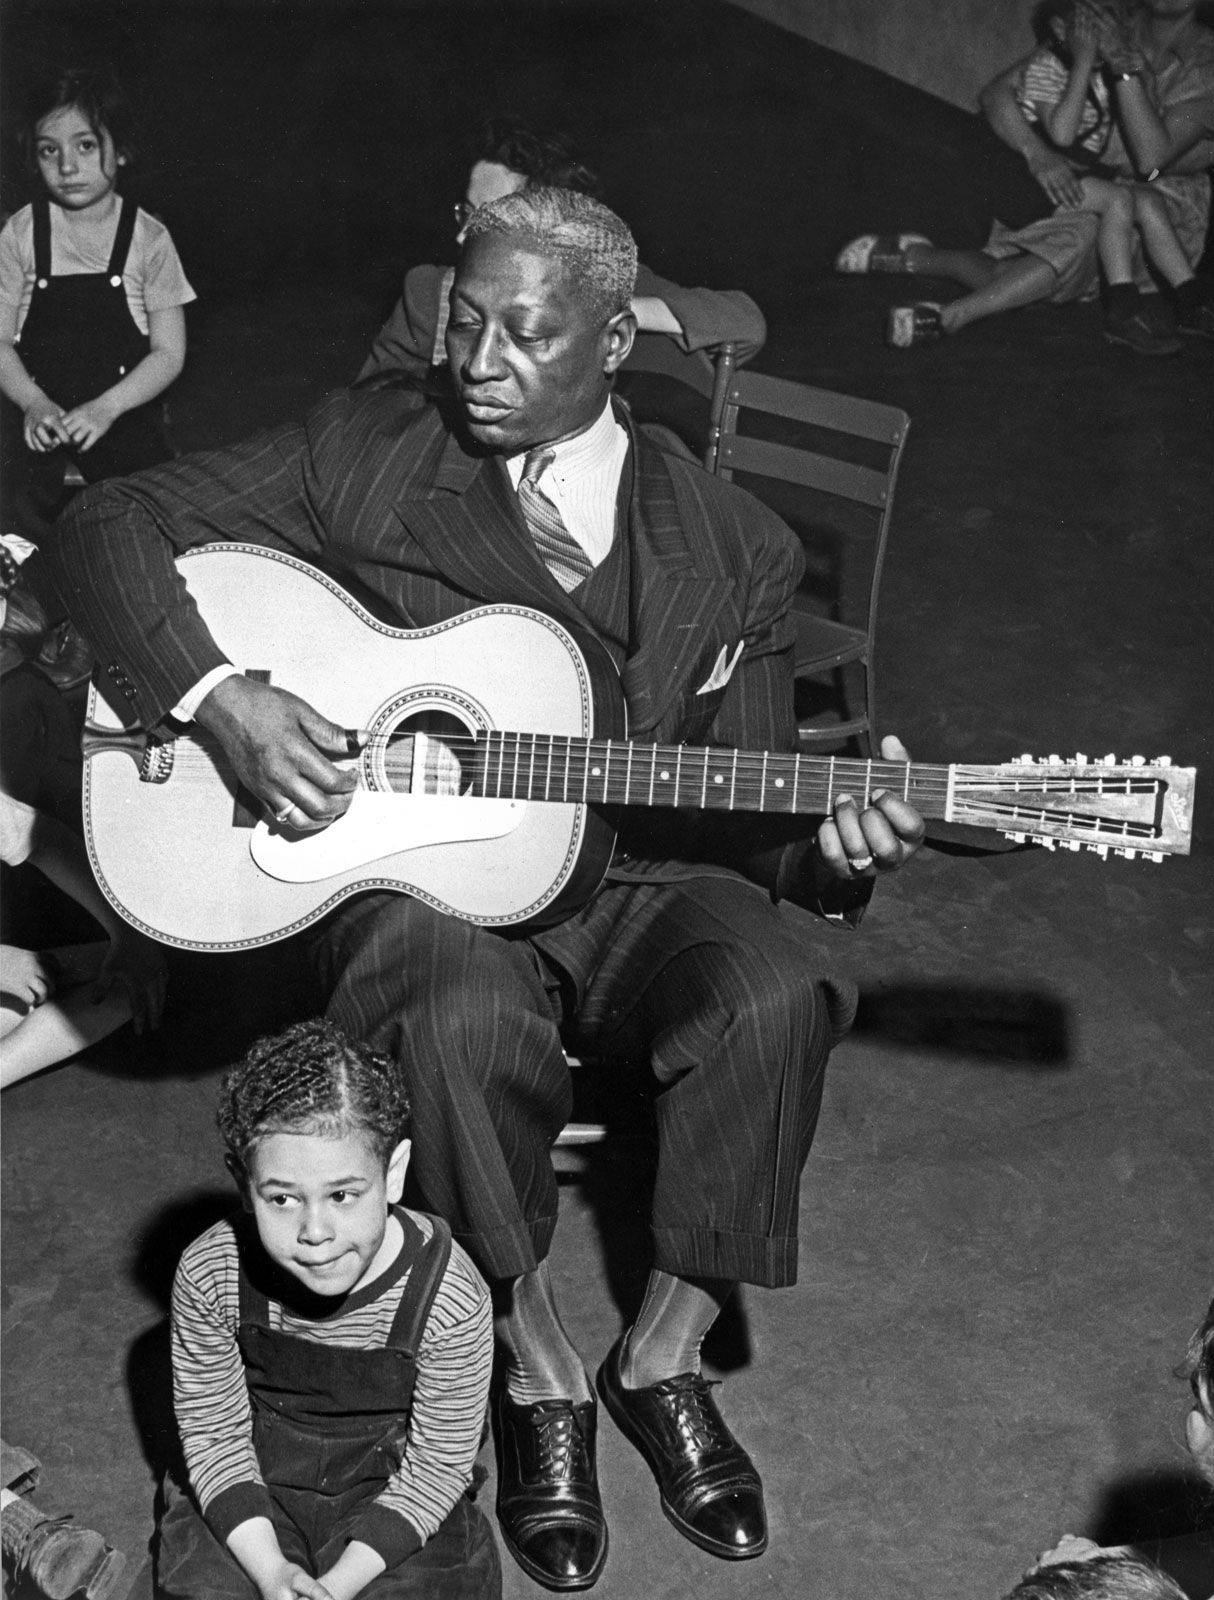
x=157, y=763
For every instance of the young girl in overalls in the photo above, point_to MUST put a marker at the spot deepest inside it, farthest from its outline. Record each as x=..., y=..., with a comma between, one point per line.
x=331, y=1354
x=92, y=329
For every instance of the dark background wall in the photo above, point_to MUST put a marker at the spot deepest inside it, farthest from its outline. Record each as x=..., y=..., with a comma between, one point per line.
x=275, y=144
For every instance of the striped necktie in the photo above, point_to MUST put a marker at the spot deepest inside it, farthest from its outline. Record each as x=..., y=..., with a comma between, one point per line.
x=562, y=554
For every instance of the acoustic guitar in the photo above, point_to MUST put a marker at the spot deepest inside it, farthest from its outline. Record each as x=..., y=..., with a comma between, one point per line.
x=487, y=749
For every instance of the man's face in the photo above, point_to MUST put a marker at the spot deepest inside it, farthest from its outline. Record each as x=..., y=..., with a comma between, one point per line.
x=532, y=363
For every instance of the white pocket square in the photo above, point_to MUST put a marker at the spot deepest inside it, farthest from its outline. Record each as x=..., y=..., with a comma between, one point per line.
x=723, y=669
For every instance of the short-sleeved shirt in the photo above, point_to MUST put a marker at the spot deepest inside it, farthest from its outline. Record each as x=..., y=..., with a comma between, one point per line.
x=153, y=277
x=1042, y=81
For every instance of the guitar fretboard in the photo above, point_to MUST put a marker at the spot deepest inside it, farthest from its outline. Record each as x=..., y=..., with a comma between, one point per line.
x=533, y=766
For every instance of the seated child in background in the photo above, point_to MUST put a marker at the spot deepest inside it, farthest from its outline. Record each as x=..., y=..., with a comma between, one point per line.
x=1063, y=91
x=92, y=327
x=331, y=1353
x=1079, y=1569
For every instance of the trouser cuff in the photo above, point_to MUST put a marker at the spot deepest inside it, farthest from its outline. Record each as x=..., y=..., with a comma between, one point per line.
x=736, y=1257
x=509, y=1252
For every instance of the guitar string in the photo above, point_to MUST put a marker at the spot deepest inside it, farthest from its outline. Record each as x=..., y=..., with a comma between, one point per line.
x=752, y=768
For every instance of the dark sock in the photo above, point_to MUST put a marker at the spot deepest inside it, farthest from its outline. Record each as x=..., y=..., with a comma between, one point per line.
x=1187, y=296
x=1121, y=300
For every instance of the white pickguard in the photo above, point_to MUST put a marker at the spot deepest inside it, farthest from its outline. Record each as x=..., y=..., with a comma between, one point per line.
x=379, y=825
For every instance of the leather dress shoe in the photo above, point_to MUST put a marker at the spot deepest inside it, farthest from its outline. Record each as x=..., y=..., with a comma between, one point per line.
x=709, y=1487
x=548, y=1493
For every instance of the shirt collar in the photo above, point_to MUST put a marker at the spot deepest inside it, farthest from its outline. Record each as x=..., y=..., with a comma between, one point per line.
x=573, y=458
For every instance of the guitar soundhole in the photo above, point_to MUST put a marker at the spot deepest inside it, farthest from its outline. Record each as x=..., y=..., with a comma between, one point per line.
x=429, y=752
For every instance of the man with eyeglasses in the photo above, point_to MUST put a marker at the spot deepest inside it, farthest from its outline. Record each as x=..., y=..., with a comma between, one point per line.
x=507, y=156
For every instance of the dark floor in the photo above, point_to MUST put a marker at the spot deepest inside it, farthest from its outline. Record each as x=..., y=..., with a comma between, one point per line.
x=1007, y=1215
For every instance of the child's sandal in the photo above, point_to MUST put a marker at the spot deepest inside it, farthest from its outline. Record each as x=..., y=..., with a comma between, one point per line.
x=879, y=252
x=920, y=323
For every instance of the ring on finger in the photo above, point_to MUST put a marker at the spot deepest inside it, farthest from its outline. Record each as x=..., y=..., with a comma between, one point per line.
x=281, y=816
x=860, y=863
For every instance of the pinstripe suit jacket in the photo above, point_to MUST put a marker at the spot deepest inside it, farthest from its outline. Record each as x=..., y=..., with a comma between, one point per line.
x=394, y=502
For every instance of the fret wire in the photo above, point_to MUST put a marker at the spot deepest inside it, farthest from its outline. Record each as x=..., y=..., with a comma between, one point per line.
x=678, y=772
x=704, y=784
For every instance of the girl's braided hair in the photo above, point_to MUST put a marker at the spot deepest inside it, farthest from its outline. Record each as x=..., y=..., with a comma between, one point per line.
x=312, y=1079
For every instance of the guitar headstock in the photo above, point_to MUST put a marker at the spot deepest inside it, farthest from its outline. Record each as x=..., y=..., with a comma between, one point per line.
x=1126, y=808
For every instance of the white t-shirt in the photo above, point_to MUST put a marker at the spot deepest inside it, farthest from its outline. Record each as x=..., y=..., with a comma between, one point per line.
x=153, y=276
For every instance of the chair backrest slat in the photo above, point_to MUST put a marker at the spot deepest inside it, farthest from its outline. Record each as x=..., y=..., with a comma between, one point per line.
x=805, y=467
x=822, y=408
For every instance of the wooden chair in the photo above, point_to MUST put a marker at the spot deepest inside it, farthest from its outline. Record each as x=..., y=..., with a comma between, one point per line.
x=828, y=464
x=677, y=395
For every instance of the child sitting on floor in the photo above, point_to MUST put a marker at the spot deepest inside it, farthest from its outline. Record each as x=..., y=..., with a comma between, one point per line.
x=331, y=1353
x=1063, y=91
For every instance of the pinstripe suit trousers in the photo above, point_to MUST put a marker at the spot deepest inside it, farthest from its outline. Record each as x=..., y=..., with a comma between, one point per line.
x=724, y=995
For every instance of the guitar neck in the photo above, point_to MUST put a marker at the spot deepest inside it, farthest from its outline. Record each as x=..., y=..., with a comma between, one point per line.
x=525, y=766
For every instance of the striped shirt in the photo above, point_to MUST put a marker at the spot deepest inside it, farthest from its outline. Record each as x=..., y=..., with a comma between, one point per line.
x=1043, y=81
x=211, y=1398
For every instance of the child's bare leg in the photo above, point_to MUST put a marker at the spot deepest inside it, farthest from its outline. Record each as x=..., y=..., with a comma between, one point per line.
x=57, y=1030
x=1159, y=240
x=1114, y=204
x=1016, y=281
x=972, y=268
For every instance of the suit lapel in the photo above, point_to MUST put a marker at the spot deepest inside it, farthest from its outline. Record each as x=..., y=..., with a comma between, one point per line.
x=468, y=524
x=466, y=520
x=676, y=594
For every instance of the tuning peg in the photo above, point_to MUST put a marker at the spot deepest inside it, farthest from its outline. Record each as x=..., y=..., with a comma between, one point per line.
x=1138, y=761
x=1110, y=760
x=1081, y=760
x=1050, y=844
x=1101, y=850
x=1153, y=855
x=1016, y=838
x=1025, y=760
x=1130, y=855
x=1070, y=844
x=1163, y=761
x=1054, y=761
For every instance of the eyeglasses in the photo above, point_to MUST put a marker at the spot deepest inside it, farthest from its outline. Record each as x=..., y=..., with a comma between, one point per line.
x=462, y=210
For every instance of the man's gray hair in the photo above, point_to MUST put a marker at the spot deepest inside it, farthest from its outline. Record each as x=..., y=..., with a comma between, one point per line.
x=595, y=245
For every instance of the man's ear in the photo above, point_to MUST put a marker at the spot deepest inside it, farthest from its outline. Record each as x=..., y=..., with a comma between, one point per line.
x=240, y=1178
x=619, y=333
x=398, y=1165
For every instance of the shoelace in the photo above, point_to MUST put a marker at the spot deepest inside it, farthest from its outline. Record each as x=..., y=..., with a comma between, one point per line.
x=700, y=1427
x=560, y=1444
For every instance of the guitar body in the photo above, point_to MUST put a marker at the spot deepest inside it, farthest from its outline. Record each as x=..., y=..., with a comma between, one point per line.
x=173, y=843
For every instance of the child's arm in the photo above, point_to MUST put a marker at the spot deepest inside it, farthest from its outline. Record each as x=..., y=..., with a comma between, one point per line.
x=1050, y=167
x=42, y=426
x=446, y=1425
x=85, y=424
x=1062, y=121
x=255, y=1545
